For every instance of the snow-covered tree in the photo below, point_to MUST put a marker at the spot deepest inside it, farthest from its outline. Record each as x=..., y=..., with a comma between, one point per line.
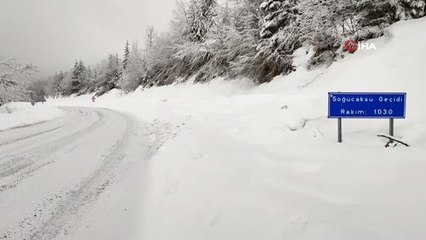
x=150, y=36
x=126, y=55
x=57, y=83
x=281, y=37
x=159, y=60
x=336, y=17
x=323, y=24
x=251, y=38
x=38, y=90
x=234, y=39
x=90, y=83
x=199, y=16
x=277, y=14
x=10, y=70
x=78, y=77
x=110, y=74
x=12, y=80
x=135, y=72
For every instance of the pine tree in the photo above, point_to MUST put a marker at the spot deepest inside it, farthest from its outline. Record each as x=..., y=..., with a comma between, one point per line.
x=78, y=77
x=111, y=72
x=243, y=39
x=335, y=17
x=135, y=72
x=114, y=73
x=126, y=55
x=281, y=37
x=200, y=15
x=57, y=83
x=277, y=14
x=150, y=35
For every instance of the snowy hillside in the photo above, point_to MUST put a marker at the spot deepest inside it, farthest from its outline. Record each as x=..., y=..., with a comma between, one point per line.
x=261, y=162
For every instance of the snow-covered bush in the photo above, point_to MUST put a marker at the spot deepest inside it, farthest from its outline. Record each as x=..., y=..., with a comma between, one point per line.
x=267, y=65
x=407, y=9
x=325, y=45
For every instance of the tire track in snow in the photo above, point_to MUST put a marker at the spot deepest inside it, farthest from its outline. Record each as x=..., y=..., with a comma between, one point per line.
x=55, y=211
x=23, y=126
x=84, y=131
x=86, y=192
x=31, y=160
x=30, y=136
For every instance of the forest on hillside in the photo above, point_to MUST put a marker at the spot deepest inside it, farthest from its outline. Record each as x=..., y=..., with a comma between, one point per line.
x=254, y=39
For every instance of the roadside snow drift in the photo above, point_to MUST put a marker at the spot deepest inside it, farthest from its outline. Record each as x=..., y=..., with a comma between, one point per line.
x=246, y=162
x=21, y=114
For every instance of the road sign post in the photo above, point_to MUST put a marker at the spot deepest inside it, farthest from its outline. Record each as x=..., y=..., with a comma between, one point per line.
x=391, y=128
x=370, y=105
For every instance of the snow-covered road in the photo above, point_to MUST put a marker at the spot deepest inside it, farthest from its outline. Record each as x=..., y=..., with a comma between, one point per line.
x=54, y=174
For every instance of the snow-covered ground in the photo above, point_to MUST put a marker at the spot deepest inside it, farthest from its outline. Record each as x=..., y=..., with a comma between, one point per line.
x=21, y=114
x=262, y=162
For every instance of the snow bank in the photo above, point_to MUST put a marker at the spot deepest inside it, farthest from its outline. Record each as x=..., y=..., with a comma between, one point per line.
x=21, y=114
x=246, y=162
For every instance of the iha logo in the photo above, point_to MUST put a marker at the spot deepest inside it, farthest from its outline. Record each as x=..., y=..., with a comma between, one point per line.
x=352, y=46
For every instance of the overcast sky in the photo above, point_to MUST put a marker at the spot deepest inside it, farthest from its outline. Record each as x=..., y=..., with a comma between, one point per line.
x=54, y=33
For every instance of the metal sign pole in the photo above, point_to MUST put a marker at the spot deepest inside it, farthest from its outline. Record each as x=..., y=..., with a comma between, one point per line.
x=391, y=128
x=371, y=105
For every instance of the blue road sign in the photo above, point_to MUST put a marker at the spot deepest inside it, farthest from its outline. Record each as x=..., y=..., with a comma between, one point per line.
x=366, y=105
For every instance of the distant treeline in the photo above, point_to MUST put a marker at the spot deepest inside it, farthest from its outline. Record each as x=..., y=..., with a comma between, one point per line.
x=238, y=38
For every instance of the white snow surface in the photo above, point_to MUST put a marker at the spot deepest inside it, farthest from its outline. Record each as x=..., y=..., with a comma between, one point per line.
x=19, y=114
x=261, y=162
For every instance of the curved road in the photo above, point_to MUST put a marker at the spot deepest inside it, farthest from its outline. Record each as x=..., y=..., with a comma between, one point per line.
x=52, y=173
